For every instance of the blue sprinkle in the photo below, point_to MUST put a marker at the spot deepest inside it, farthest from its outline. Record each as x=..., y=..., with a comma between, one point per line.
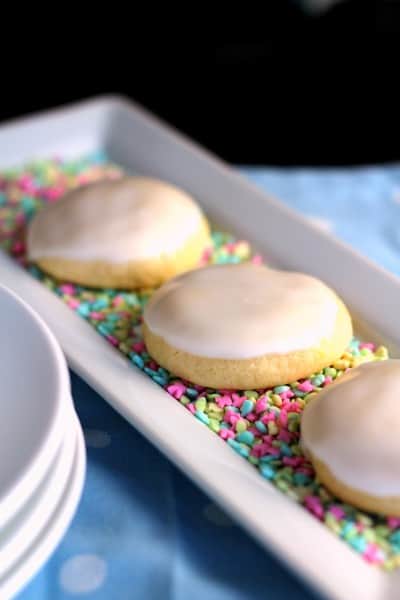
x=2, y=199
x=266, y=471
x=224, y=425
x=202, y=417
x=301, y=479
x=149, y=371
x=35, y=272
x=28, y=205
x=191, y=393
x=347, y=530
x=261, y=427
x=285, y=449
x=267, y=458
x=395, y=537
x=112, y=317
x=246, y=408
x=299, y=393
x=279, y=389
x=358, y=543
x=246, y=437
x=318, y=380
x=84, y=310
x=131, y=299
x=136, y=359
x=233, y=408
x=100, y=303
x=242, y=450
x=103, y=328
x=160, y=380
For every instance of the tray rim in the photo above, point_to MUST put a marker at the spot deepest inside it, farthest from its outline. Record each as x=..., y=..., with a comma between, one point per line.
x=60, y=318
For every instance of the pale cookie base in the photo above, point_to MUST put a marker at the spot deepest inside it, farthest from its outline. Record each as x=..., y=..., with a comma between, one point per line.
x=385, y=505
x=132, y=274
x=253, y=373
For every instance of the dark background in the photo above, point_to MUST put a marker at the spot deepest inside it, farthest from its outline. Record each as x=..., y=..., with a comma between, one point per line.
x=272, y=85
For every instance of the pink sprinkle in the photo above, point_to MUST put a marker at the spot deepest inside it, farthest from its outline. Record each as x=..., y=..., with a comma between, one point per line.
x=230, y=247
x=251, y=417
x=53, y=193
x=287, y=395
x=177, y=390
x=261, y=404
x=67, y=288
x=269, y=416
x=117, y=301
x=138, y=346
x=285, y=436
x=328, y=380
x=20, y=218
x=206, y=255
x=223, y=401
x=226, y=434
x=257, y=259
x=393, y=522
x=96, y=316
x=238, y=400
x=306, y=471
x=231, y=417
x=112, y=340
x=368, y=346
x=190, y=406
x=306, y=386
x=294, y=407
x=313, y=503
x=254, y=431
x=337, y=512
x=18, y=247
x=152, y=365
x=268, y=439
x=283, y=418
x=73, y=303
x=373, y=554
x=259, y=450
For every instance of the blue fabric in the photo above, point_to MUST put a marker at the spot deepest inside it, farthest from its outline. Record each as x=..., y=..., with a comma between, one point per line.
x=143, y=531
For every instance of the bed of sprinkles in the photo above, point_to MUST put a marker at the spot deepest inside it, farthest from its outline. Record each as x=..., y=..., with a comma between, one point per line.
x=260, y=425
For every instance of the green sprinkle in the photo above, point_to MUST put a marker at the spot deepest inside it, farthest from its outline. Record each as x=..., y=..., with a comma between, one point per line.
x=200, y=404
x=241, y=425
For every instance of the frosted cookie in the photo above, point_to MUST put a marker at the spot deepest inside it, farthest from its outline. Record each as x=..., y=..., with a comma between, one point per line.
x=245, y=326
x=126, y=233
x=351, y=432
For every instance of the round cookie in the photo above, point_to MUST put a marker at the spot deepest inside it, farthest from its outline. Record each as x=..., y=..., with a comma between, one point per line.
x=245, y=326
x=125, y=233
x=354, y=442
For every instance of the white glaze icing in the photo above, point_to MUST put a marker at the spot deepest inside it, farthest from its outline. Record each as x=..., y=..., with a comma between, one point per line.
x=242, y=311
x=353, y=427
x=131, y=218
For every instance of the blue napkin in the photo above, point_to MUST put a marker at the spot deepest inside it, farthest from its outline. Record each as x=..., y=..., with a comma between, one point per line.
x=143, y=531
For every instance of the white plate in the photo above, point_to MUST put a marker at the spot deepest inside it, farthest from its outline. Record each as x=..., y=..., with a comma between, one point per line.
x=19, y=532
x=53, y=530
x=34, y=398
x=140, y=143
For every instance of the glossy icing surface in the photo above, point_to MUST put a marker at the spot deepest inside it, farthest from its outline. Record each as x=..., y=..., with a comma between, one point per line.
x=242, y=311
x=353, y=434
x=127, y=219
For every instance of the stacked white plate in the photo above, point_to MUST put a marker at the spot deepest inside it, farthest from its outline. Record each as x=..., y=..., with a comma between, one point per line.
x=42, y=453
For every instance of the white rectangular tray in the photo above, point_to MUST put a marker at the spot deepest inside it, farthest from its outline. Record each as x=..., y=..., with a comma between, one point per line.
x=138, y=141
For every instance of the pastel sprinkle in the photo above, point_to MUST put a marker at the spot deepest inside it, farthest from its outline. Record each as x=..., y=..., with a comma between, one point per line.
x=262, y=426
